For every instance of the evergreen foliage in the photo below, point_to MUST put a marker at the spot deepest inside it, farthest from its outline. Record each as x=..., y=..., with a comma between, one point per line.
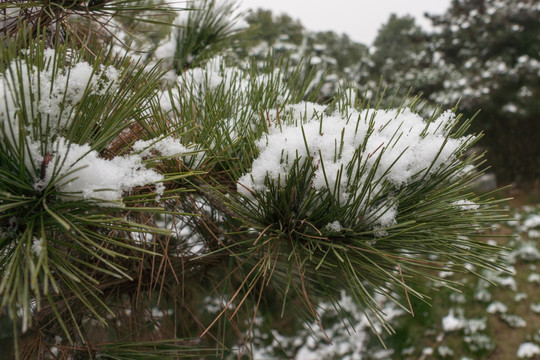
x=491, y=52
x=132, y=202
x=264, y=26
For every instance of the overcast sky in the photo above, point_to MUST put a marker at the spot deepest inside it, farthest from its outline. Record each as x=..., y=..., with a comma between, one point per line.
x=360, y=19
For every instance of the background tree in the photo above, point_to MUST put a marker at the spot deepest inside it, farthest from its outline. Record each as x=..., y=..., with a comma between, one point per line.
x=492, y=52
x=403, y=58
x=264, y=26
x=398, y=43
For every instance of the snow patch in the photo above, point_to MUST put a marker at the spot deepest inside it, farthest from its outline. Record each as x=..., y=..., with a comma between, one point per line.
x=399, y=147
x=334, y=226
x=528, y=350
x=452, y=323
x=77, y=170
x=465, y=205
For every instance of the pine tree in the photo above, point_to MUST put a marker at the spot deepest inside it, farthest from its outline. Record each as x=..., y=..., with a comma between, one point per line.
x=130, y=205
x=403, y=59
x=491, y=52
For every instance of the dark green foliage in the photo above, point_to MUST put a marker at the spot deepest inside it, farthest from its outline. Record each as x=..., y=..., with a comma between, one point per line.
x=396, y=42
x=264, y=26
x=203, y=32
x=493, y=49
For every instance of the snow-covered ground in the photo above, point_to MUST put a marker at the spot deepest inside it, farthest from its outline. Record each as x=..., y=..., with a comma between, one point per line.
x=497, y=317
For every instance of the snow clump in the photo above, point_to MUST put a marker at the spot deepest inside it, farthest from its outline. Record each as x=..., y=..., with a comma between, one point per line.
x=348, y=342
x=528, y=350
x=38, y=246
x=466, y=205
x=167, y=146
x=49, y=93
x=452, y=323
x=334, y=226
x=497, y=307
x=224, y=14
x=216, y=75
x=398, y=146
x=78, y=170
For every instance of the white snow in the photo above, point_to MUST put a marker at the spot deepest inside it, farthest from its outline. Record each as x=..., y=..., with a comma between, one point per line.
x=466, y=205
x=49, y=92
x=473, y=326
x=167, y=146
x=334, y=226
x=399, y=146
x=382, y=217
x=77, y=171
x=497, y=307
x=445, y=351
x=514, y=321
x=526, y=251
x=224, y=14
x=452, y=323
x=534, y=278
x=528, y=350
x=531, y=222
x=216, y=75
x=350, y=339
x=508, y=282
x=535, y=308
x=38, y=246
